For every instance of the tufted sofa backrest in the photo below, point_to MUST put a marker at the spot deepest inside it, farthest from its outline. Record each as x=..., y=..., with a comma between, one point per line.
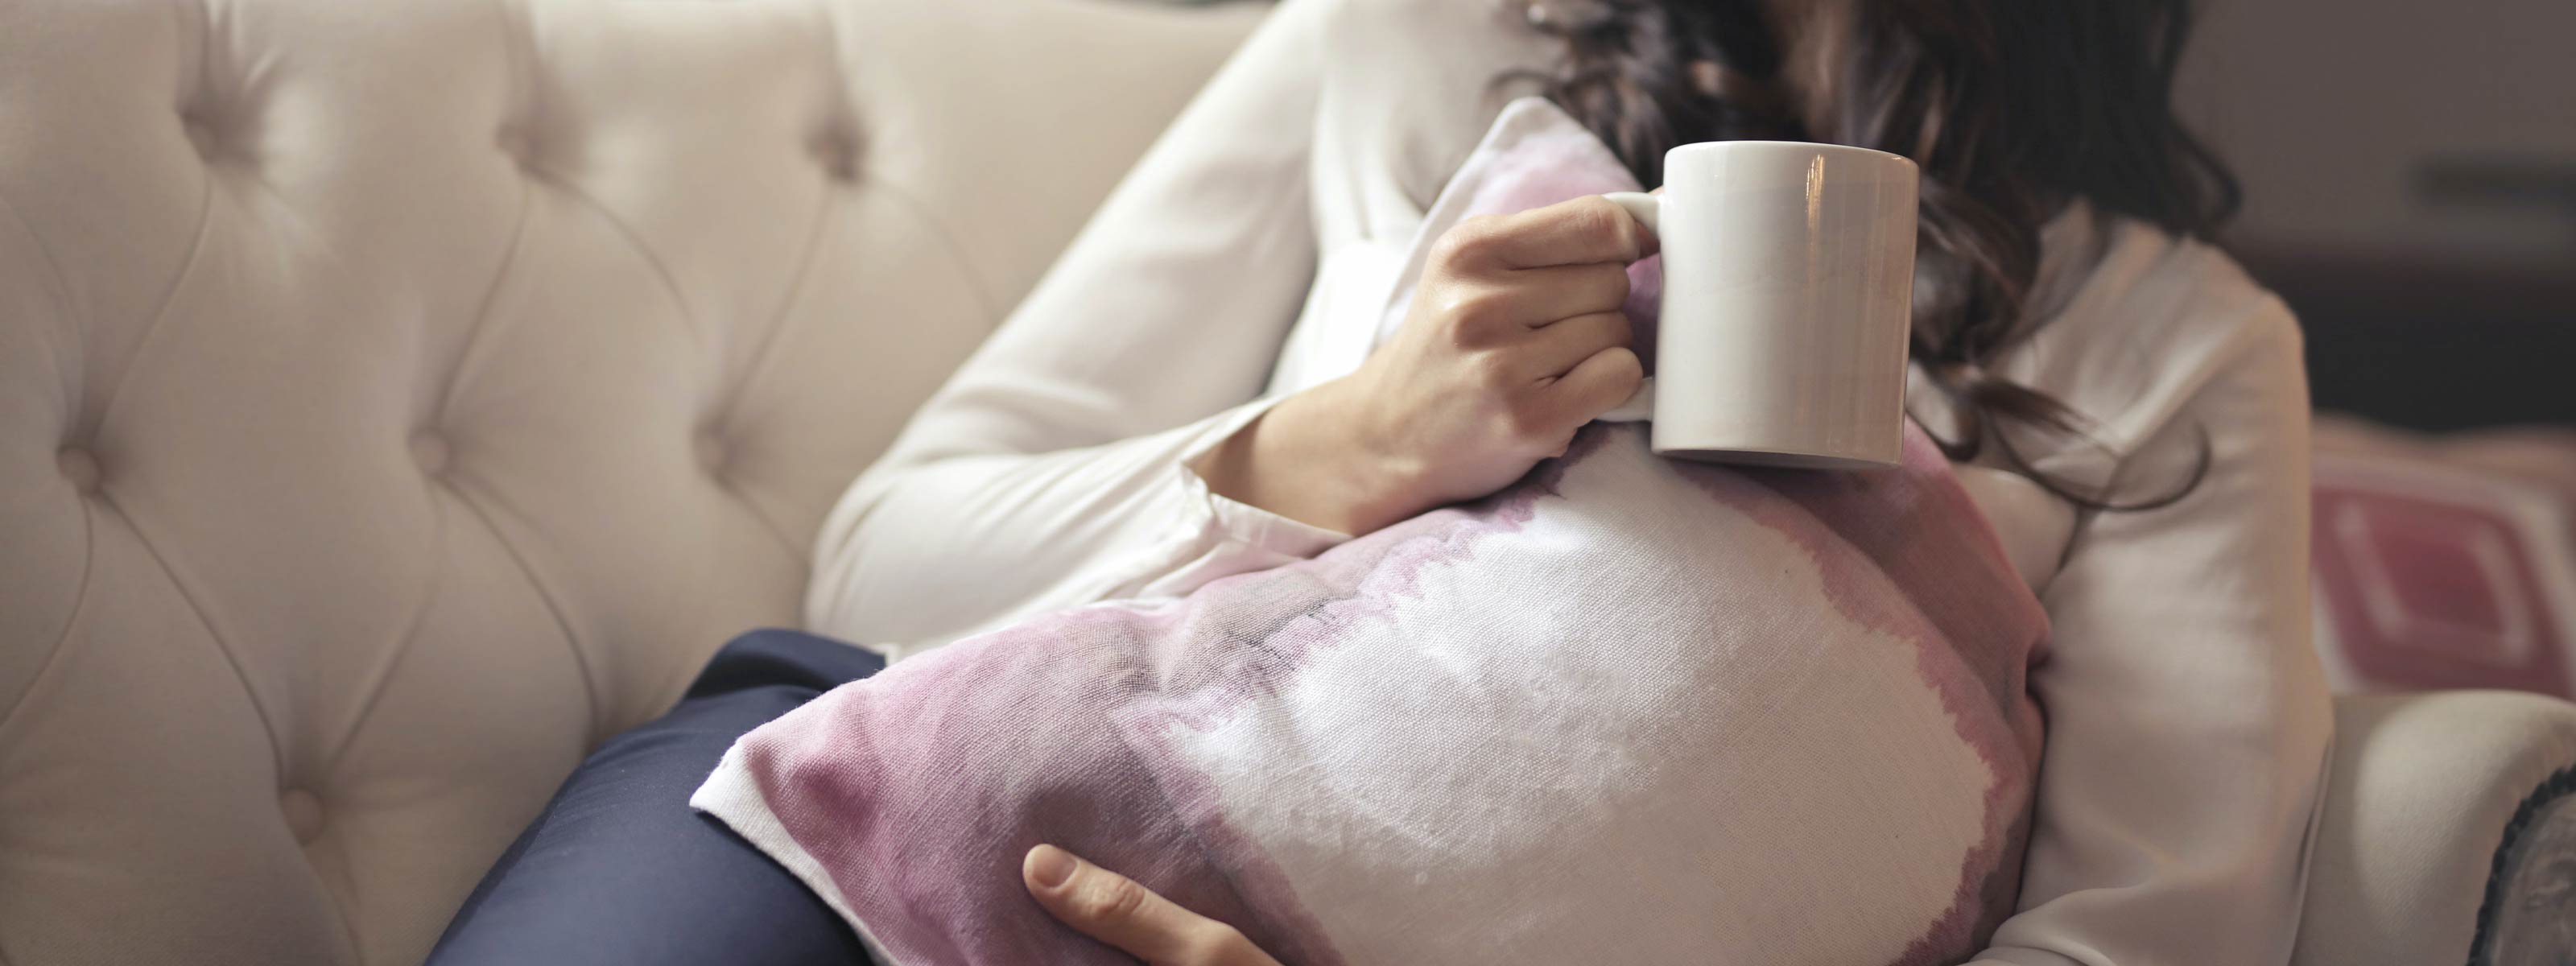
x=398, y=397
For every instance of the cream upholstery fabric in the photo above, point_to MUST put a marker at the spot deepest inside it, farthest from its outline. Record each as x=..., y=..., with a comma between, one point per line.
x=2423, y=787
x=399, y=397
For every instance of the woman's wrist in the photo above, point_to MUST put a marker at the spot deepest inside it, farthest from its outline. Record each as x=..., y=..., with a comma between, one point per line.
x=1312, y=459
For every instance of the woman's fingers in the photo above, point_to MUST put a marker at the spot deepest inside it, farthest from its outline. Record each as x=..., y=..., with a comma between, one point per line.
x=1541, y=296
x=1513, y=340
x=1598, y=384
x=1556, y=349
x=1495, y=312
x=1114, y=909
x=1584, y=231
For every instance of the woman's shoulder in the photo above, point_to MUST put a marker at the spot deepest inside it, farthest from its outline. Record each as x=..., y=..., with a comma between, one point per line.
x=1409, y=86
x=2138, y=325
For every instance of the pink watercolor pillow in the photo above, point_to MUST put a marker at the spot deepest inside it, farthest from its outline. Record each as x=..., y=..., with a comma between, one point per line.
x=1626, y=711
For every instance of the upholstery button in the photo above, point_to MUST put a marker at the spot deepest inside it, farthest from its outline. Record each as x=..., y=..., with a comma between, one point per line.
x=78, y=467
x=711, y=450
x=303, y=811
x=513, y=140
x=200, y=135
x=837, y=150
x=430, y=451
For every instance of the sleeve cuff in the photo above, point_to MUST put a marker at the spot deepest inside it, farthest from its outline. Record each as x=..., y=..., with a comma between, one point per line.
x=1213, y=537
x=1239, y=522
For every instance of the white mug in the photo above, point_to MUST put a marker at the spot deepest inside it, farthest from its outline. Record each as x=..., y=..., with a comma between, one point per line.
x=1788, y=298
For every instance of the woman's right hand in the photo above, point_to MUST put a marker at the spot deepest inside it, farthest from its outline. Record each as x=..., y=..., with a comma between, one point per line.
x=1514, y=341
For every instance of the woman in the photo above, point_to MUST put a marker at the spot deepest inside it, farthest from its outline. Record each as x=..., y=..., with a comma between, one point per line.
x=2127, y=409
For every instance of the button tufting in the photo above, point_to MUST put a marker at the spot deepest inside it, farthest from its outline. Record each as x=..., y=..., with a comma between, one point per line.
x=712, y=451
x=837, y=150
x=429, y=450
x=513, y=140
x=78, y=467
x=200, y=135
x=303, y=811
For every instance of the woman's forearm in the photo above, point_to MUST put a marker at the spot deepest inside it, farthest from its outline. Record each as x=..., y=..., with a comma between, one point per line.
x=923, y=552
x=1303, y=460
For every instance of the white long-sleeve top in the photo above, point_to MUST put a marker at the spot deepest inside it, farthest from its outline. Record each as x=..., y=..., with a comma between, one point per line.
x=1252, y=253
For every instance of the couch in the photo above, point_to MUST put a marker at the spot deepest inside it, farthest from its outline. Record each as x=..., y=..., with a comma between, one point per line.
x=398, y=398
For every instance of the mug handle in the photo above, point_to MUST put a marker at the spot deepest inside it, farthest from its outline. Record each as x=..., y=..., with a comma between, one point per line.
x=1647, y=209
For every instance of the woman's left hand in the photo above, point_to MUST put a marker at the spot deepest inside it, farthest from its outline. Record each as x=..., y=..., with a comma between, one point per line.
x=1113, y=909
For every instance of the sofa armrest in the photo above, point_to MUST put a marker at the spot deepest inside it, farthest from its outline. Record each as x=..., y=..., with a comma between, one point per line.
x=2422, y=792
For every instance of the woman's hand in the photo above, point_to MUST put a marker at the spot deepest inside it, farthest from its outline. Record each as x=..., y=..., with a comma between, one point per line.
x=1113, y=909
x=1514, y=341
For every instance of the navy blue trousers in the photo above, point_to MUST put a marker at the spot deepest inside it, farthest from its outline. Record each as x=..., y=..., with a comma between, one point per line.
x=618, y=869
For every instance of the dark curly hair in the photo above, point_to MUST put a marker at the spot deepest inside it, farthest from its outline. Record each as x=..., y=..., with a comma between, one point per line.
x=2011, y=108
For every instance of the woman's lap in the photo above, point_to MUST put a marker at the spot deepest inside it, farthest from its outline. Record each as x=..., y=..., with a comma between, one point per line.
x=618, y=868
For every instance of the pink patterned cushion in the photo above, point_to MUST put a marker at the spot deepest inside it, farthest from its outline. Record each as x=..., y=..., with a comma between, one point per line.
x=2446, y=562
x=1737, y=715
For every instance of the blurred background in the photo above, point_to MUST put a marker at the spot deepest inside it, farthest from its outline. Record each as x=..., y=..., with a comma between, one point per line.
x=2410, y=179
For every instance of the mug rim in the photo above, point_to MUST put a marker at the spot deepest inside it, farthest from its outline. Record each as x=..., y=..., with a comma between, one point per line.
x=1818, y=146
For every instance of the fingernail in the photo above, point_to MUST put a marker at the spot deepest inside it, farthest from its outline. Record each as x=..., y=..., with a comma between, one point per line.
x=1048, y=866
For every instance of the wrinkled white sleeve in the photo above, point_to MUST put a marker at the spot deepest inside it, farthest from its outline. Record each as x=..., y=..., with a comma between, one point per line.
x=2187, y=717
x=1050, y=471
